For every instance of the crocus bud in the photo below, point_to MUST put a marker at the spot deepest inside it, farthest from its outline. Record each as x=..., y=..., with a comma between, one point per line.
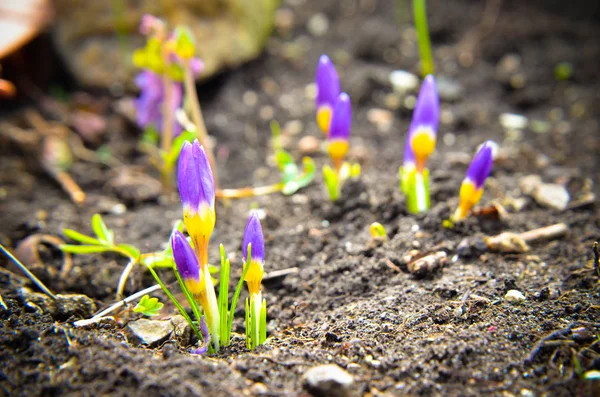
x=197, y=191
x=328, y=89
x=185, y=43
x=253, y=235
x=472, y=186
x=187, y=263
x=339, y=132
x=422, y=132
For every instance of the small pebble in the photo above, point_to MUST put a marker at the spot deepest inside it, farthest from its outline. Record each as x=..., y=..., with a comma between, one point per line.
x=511, y=121
x=318, y=25
x=403, y=81
x=150, y=332
x=381, y=118
x=552, y=195
x=328, y=381
x=309, y=145
x=515, y=297
x=259, y=389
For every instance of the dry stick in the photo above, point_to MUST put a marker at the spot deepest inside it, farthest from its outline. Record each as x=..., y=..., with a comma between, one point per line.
x=545, y=233
x=249, y=191
x=542, y=342
x=31, y=276
x=115, y=306
x=190, y=88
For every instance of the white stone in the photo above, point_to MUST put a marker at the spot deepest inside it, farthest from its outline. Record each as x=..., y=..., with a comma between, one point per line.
x=515, y=297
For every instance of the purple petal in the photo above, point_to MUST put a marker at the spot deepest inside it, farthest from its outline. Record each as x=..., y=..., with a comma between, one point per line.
x=203, y=349
x=254, y=235
x=327, y=81
x=188, y=178
x=185, y=258
x=481, y=166
x=341, y=121
x=197, y=66
x=204, y=172
x=427, y=108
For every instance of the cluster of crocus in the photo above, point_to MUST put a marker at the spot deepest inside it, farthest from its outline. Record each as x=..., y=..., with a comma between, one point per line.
x=420, y=144
x=197, y=191
x=471, y=188
x=334, y=117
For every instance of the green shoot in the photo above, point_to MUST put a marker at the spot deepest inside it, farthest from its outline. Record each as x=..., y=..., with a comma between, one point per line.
x=148, y=306
x=417, y=185
x=236, y=294
x=378, y=231
x=420, y=15
x=224, y=296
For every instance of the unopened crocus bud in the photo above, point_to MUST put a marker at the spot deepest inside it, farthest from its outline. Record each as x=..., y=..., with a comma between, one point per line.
x=472, y=186
x=328, y=90
x=253, y=235
x=185, y=43
x=197, y=191
x=422, y=132
x=187, y=264
x=338, y=141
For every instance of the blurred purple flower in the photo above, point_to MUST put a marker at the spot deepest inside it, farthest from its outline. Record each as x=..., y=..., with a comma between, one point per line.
x=203, y=349
x=481, y=166
x=149, y=104
x=341, y=121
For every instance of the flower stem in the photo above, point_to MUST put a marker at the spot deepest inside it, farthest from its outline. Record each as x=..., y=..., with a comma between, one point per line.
x=167, y=130
x=420, y=15
x=190, y=88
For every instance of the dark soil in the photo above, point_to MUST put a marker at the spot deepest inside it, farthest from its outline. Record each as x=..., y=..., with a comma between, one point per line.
x=448, y=333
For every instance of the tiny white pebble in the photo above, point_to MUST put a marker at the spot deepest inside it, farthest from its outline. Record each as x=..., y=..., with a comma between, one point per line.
x=515, y=297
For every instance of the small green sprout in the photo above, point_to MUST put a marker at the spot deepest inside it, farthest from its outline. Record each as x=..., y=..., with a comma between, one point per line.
x=292, y=177
x=378, y=231
x=148, y=306
x=563, y=71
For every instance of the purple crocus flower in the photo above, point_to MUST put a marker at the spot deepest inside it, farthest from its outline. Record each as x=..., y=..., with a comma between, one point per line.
x=197, y=191
x=471, y=188
x=341, y=122
x=481, y=166
x=422, y=132
x=186, y=262
x=149, y=104
x=328, y=90
x=253, y=235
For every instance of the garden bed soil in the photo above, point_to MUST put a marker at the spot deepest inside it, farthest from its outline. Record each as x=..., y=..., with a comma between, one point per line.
x=351, y=303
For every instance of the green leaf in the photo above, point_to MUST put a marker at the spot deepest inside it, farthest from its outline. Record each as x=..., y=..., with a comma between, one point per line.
x=212, y=269
x=151, y=135
x=148, y=306
x=171, y=157
x=301, y=180
x=130, y=250
x=263, y=322
x=84, y=249
x=331, y=181
x=104, y=234
x=81, y=238
x=158, y=259
x=224, y=296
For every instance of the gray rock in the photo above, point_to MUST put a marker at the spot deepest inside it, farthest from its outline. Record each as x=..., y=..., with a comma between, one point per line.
x=228, y=33
x=328, y=381
x=150, y=332
x=552, y=195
